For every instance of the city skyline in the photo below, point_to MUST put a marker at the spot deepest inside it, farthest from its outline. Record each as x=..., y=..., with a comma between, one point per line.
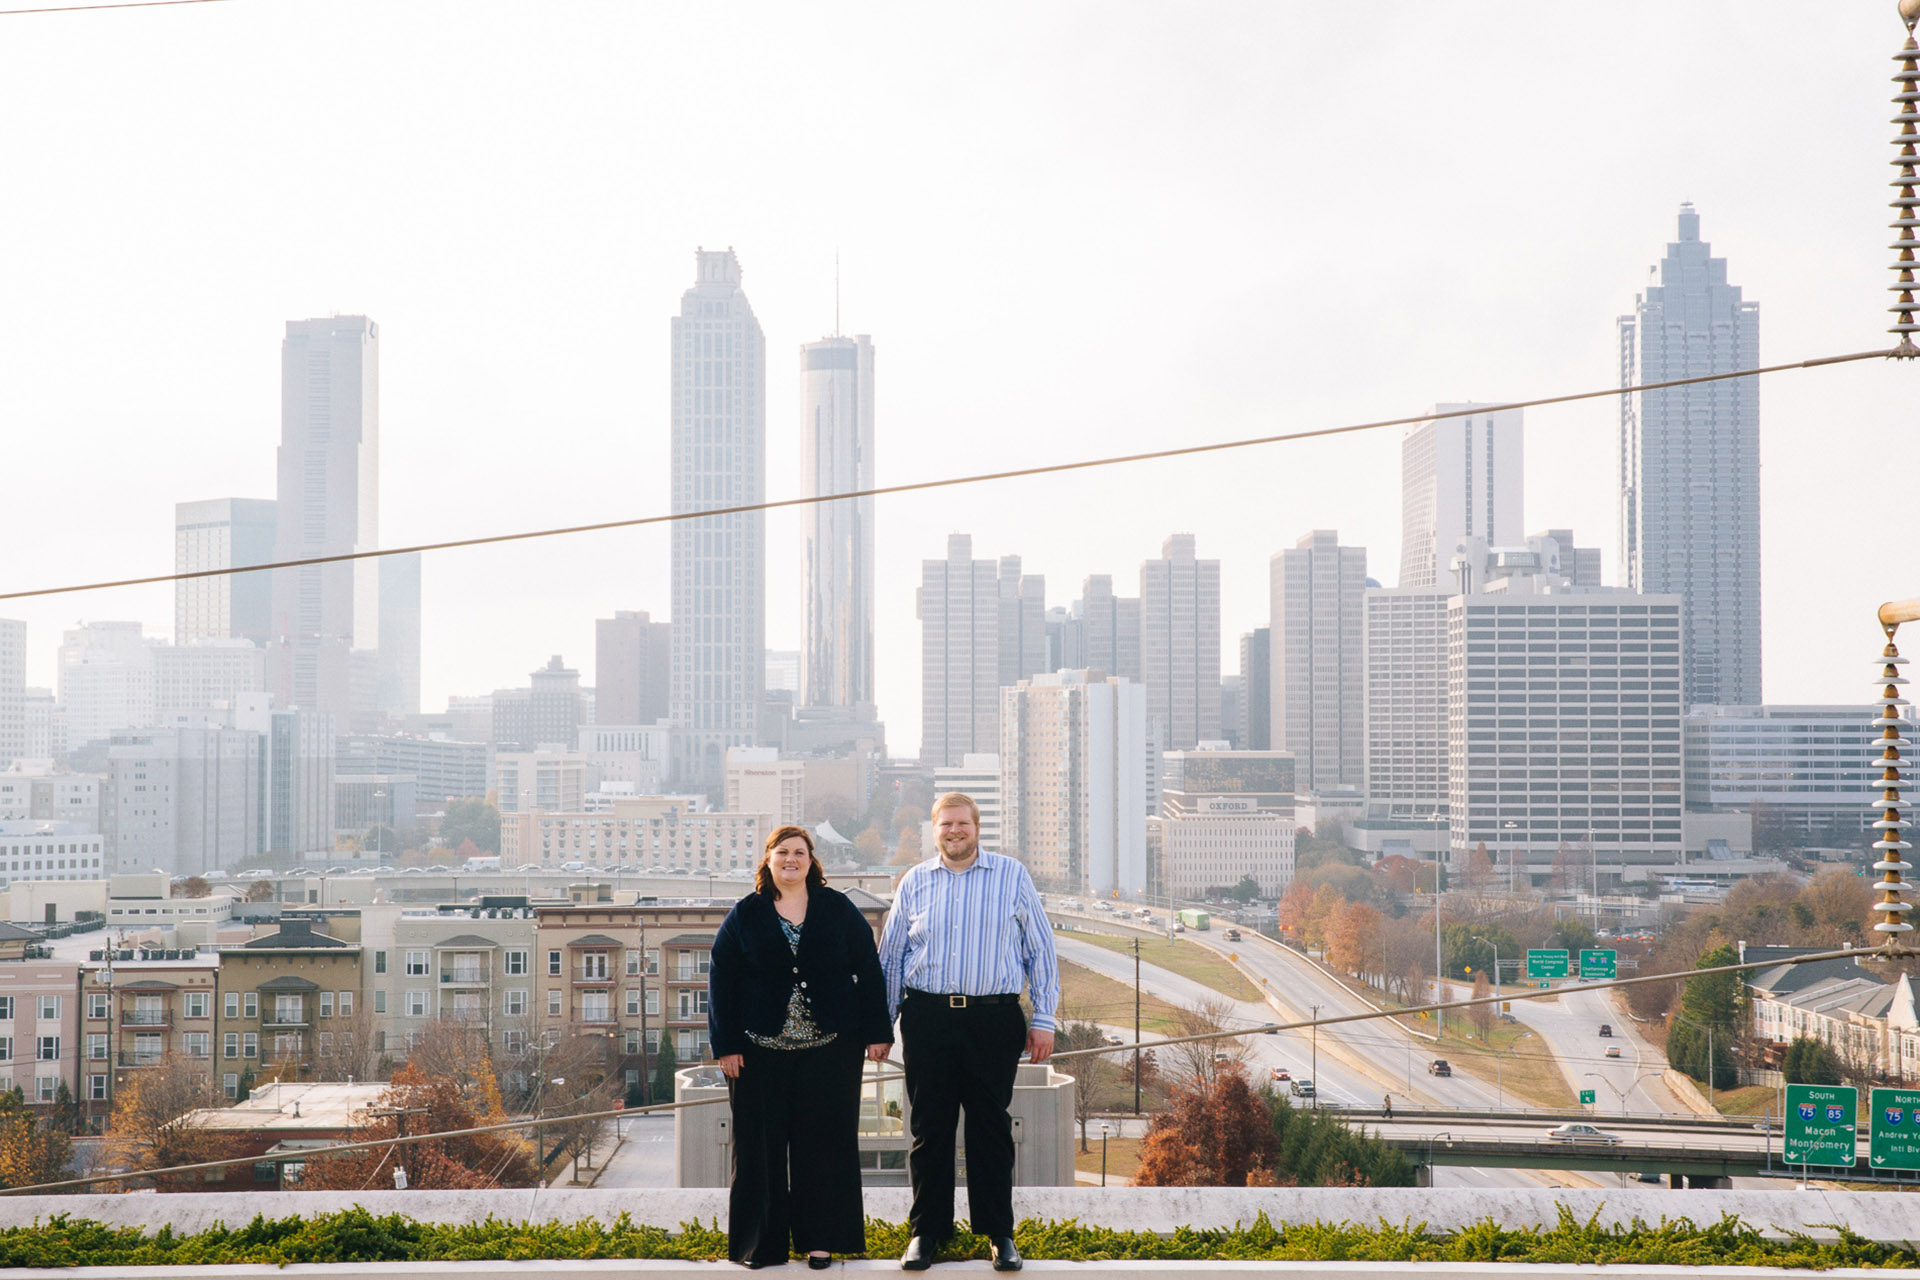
x=572, y=426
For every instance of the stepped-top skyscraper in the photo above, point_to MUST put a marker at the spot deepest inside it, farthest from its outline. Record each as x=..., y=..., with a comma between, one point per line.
x=326, y=617
x=719, y=421
x=1690, y=465
x=836, y=424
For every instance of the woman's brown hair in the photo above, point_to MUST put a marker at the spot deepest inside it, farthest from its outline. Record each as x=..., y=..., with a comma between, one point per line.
x=763, y=874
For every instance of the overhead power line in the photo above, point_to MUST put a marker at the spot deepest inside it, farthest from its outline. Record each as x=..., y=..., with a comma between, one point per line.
x=120, y=4
x=919, y=486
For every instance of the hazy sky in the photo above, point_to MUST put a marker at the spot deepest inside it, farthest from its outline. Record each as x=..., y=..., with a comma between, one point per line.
x=1071, y=229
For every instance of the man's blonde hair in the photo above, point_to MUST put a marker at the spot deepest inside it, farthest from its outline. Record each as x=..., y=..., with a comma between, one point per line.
x=956, y=800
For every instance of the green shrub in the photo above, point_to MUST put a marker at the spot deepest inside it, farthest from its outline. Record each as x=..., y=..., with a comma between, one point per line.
x=355, y=1235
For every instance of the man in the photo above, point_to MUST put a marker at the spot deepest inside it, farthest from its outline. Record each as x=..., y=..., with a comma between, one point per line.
x=966, y=934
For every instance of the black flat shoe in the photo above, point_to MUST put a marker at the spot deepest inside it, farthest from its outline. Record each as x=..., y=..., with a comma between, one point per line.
x=820, y=1263
x=918, y=1255
x=1005, y=1256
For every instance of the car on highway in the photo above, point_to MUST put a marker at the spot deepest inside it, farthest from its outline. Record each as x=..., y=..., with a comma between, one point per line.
x=1233, y=935
x=1582, y=1133
x=1111, y=1038
x=1300, y=1088
x=1606, y=1029
x=1613, y=1051
x=1280, y=1073
x=1439, y=1067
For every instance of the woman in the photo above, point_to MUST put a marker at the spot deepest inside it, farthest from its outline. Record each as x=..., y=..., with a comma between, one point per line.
x=795, y=994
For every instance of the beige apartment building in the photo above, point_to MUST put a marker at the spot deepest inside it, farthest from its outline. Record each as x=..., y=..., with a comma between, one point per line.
x=139, y=1006
x=290, y=1001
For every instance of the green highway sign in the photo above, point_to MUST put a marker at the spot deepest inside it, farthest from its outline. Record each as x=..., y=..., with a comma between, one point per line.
x=1546, y=964
x=1820, y=1124
x=1586, y=1097
x=1597, y=964
x=1893, y=1127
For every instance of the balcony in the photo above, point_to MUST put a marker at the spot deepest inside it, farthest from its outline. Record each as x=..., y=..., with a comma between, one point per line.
x=146, y=1018
x=283, y=1021
x=466, y=977
x=593, y=979
x=138, y=1059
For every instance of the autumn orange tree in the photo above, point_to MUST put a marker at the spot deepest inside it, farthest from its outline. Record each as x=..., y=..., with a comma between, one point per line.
x=32, y=1150
x=1218, y=1137
x=157, y=1120
x=432, y=1104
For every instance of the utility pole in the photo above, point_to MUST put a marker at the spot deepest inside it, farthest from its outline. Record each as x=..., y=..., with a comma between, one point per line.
x=1136, y=1026
x=1439, y=977
x=1316, y=1056
x=399, y=1115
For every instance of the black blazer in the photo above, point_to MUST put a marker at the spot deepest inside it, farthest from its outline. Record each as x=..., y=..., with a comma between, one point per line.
x=754, y=971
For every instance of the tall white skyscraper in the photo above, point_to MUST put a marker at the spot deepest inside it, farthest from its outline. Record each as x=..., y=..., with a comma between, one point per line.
x=1460, y=478
x=13, y=691
x=329, y=504
x=719, y=420
x=1406, y=700
x=1073, y=781
x=1690, y=464
x=106, y=680
x=1318, y=688
x=1023, y=622
x=1180, y=643
x=836, y=425
x=959, y=609
x=223, y=533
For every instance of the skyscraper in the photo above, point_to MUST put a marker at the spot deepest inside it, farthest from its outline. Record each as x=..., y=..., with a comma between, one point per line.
x=1180, y=643
x=1690, y=465
x=1318, y=689
x=959, y=610
x=1073, y=786
x=399, y=691
x=836, y=424
x=1256, y=682
x=1460, y=477
x=1023, y=622
x=329, y=504
x=1109, y=628
x=13, y=691
x=719, y=422
x=223, y=533
x=630, y=659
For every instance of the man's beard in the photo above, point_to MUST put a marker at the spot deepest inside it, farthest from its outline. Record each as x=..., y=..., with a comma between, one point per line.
x=951, y=855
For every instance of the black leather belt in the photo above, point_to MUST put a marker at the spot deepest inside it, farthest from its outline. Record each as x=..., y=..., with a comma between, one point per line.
x=943, y=1001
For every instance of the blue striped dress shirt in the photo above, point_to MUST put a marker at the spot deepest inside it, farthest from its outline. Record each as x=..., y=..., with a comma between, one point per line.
x=978, y=932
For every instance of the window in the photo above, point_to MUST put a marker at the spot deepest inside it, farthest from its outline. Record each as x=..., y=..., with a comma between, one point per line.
x=97, y=1046
x=233, y=1004
x=596, y=1006
x=99, y=1005
x=632, y=1043
x=46, y=1088
x=250, y=1004
x=515, y=1042
x=325, y=1045
x=653, y=963
x=416, y=963
x=416, y=1004
x=379, y=962
x=553, y=964
x=693, y=1004
x=593, y=966
x=346, y=1004
x=633, y=962
x=197, y=1002
x=289, y=1009
x=653, y=1003
x=49, y=1008
x=196, y=1043
x=326, y=1004
x=516, y=1004
x=230, y=1047
x=516, y=964
x=49, y=1050
x=230, y=1085
x=250, y=1044
x=96, y=1088
x=553, y=1004
x=633, y=1002
x=380, y=1001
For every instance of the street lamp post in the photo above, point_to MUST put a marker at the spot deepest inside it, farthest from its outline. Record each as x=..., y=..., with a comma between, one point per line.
x=378, y=796
x=1510, y=826
x=1104, y=1129
x=1316, y=1056
x=1701, y=1026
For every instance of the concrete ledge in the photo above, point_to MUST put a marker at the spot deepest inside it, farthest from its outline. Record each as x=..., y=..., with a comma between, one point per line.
x=1879, y=1216
x=651, y=1270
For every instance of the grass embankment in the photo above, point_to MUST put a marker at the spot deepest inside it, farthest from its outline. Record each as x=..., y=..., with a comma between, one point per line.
x=1748, y=1100
x=1123, y=1156
x=1188, y=959
x=355, y=1235
x=1086, y=996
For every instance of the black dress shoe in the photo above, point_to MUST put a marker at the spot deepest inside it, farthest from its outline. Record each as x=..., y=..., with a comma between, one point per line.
x=1005, y=1256
x=919, y=1254
x=820, y=1263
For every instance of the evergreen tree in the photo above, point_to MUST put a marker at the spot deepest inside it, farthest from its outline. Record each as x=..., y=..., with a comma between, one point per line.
x=664, y=1065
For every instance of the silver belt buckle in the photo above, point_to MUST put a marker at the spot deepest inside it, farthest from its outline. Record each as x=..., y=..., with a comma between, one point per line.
x=956, y=1002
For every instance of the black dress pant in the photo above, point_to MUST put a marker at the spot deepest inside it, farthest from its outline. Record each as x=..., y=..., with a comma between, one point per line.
x=961, y=1059
x=796, y=1153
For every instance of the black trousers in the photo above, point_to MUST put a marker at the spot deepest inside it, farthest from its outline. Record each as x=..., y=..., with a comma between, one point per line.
x=961, y=1060
x=796, y=1153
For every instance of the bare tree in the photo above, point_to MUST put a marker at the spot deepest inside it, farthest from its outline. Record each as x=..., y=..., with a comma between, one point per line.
x=153, y=1126
x=1198, y=1061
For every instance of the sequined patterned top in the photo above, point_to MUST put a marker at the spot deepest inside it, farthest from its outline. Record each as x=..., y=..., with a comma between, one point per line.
x=800, y=1031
